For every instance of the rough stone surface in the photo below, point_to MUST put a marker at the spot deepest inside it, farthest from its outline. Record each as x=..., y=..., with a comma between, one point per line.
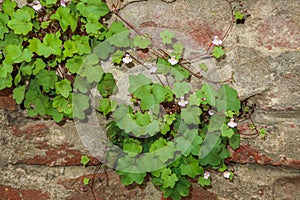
x=41, y=160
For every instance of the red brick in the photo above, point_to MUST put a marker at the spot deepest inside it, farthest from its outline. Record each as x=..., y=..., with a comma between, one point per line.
x=62, y=155
x=6, y=100
x=30, y=131
x=103, y=190
x=9, y=193
x=279, y=32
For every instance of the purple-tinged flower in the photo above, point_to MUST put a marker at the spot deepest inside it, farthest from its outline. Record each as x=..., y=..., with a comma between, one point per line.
x=217, y=41
x=127, y=59
x=173, y=60
x=227, y=174
x=210, y=112
x=206, y=175
x=182, y=102
x=38, y=6
x=232, y=124
x=152, y=70
x=63, y=3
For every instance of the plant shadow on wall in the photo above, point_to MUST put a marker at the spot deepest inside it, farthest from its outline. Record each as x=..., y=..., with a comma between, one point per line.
x=51, y=54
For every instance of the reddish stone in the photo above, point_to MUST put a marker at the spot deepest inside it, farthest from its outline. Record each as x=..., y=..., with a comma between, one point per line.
x=106, y=186
x=246, y=154
x=6, y=100
x=279, y=32
x=62, y=155
x=9, y=193
x=30, y=131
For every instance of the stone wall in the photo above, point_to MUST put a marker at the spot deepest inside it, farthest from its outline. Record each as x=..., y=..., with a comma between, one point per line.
x=41, y=159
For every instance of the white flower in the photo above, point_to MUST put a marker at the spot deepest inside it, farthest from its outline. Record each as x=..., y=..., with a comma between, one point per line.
x=173, y=60
x=182, y=102
x=37, y=6
x=232, y=124
x=227, y=174
x=153, y=70
x=127, y=59
x=217, y=41
x=206, y=175
x=210, y=112
x=63, y=3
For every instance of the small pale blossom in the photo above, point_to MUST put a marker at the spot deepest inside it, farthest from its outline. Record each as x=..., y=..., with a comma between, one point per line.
x=173, y=60
x=206, y=175
x=217, y=41
x=182, y=102
x=37, y=6
x=210, y=112
x=63, y=3
x=232, y=124
x=227, y=174
x=152, y=70
x=127, y=59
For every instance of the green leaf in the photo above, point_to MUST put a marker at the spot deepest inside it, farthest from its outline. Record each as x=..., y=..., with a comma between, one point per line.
x=91, y=70
x=86, y=181
x=107, y=86
x=11, y=39
x=84, y=160
x=141, y=41
x=238, y=15
x=69, y=48
x=191, y=167
x=262, y=132
x=169, y=178
x=105, y=106
x=19, y=93
x=181, y=189
x=15, y=54
x=104, y=49
x=36, y=103
x=63, y=87
x=74, y=64
x=137, y=81
x=178, y=50
x=130, y=178
x=20, y=22
x=80, y=104
x=89, y=8
x=169, y=118
x=227, y=99
x=218, y=51
x=115, y=28
x=93, y=26
x=51, y=45
x=207, y=94
x=191, y=115
x=9, y=6
x=203, y=67
x=65, y=18
x=181, y=88
x=226, y=131
x=3, y=28
x=117, y=57
x=132, y=147
x=203, y=182
x=5, y=82
x=46, y=79
x=120, y=39
x=234, y=141
x=62, y=104
x=5, y=69
x=166, y=37
x=184, y=143
x=82, y=44
x=38, y=66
